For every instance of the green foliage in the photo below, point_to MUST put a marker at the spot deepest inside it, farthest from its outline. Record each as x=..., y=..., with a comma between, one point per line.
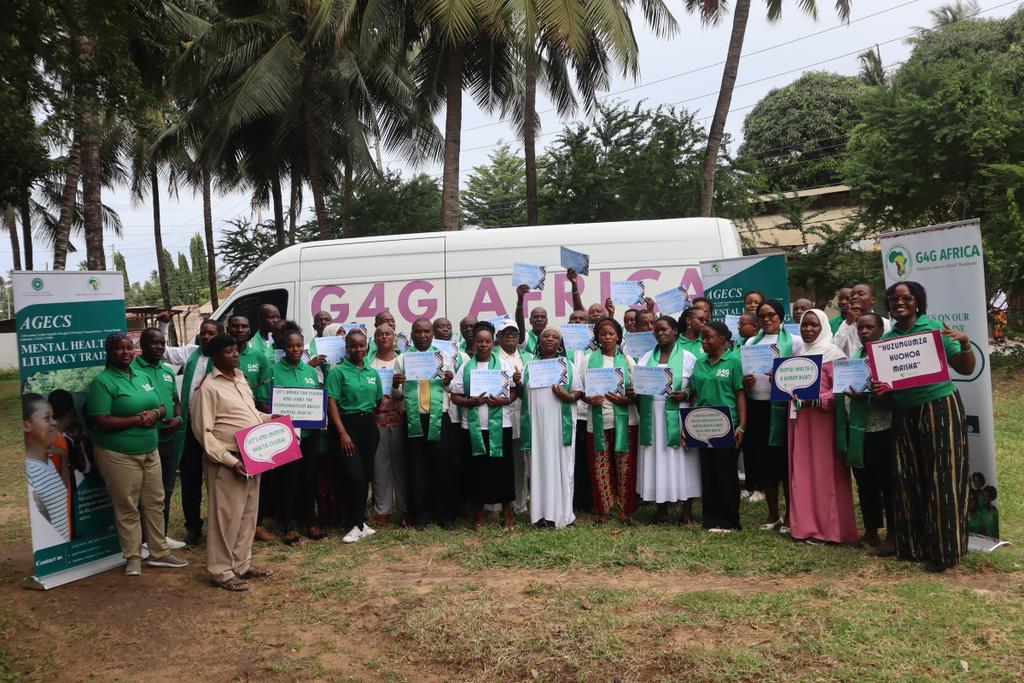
x=945, y=140
x=388, y=205
x=495, y=194
x=633, y=163
x=244, y=246
x=796, y=135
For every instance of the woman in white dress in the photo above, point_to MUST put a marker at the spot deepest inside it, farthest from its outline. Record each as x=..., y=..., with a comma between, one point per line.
x=549, y=426
x=667, y=472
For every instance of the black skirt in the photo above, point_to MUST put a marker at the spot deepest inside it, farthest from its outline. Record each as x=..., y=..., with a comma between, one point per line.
x=487, y=479
x=763, y=465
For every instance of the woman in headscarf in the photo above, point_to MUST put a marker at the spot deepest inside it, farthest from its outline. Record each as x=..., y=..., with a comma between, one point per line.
x=820, y=493
x=390, y=467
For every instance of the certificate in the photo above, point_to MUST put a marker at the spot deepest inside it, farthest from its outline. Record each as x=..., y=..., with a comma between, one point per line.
x=306, y=406
x=708, y=427
x=628, y=292
x=268, y=445
x=652, y=381
x=850, y=374
x=401, y=342
x=490, y=383
x=445, y=346
x=733, y=323
x=638, y=343
x=348, y=327
x=913, y=360
x=793, y=329
x=797, y=377
x=546, y=373
x=527, y=274
x=575, y=260
x=674, y=300
x=332, y=348
x=601, y=381
x=420, y=365
x=758, y=359
x=577, y=336
x=387, y=379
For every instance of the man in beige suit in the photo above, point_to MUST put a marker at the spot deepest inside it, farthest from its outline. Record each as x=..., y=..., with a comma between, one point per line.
x=224, y=405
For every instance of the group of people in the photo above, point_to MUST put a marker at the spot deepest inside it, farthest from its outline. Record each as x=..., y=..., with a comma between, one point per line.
x=427, y=448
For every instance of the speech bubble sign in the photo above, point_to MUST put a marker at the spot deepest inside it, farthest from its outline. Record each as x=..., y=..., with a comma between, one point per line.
x=268, y=445
x=708, y=427
x=796, y=377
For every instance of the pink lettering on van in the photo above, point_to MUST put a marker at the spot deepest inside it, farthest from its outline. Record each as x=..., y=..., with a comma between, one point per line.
x=529, y=299
x=606, y=286
x=563, y=294
x=425, y=308
x=691, y=280
x=338, y=309
x=373, y=303
x=487, y=300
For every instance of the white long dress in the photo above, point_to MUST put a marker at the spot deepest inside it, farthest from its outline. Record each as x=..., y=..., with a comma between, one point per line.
x=663, y=474
x=551, y=462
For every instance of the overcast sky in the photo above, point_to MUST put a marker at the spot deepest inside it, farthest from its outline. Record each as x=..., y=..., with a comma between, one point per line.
x=685, y=71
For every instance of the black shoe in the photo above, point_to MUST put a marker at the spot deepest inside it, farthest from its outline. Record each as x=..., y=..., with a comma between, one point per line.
x=420, y=526
x=193, y=537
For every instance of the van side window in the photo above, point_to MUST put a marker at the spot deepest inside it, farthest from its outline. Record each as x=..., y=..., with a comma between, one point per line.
x=249, y=305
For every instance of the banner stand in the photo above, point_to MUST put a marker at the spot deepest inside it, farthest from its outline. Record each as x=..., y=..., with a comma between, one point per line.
x=727, y=281
x=42, y=583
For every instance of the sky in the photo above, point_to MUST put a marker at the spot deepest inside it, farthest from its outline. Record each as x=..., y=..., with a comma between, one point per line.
x=685, y=71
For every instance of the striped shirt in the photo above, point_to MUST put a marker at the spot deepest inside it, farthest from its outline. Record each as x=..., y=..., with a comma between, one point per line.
x=45, y=480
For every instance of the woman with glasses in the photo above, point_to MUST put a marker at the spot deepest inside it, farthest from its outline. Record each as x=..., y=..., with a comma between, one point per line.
x=932, y=482
x=765, y=456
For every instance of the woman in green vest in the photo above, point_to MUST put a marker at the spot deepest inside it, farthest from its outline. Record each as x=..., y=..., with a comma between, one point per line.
x=488, y=470
x=765, y=456
x=718, y=381
x=932, y=481
x=297, y=480
x=354, y=393
x=690, y=324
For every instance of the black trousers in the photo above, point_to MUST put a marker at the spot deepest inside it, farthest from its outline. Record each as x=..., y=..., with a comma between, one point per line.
x=298, y=486
x=581, y=496
x=191, y=468
x=430, y=475
x=168, y=473
x=455, y=443
x=356, y=470
x=720, y=488
x=874, y=480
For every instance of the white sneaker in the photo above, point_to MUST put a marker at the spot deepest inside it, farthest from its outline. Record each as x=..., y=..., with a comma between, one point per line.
x=755, y=497
x=173, y=544
x=785, y=530
x=354, y=535
x=367, y=531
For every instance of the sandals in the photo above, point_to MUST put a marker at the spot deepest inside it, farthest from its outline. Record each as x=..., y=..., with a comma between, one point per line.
x=292, y=538
x=256, y=573
x=234, y=584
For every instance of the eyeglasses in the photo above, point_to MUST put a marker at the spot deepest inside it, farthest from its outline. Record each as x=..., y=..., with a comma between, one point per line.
x=901, y=299
x=768, y=316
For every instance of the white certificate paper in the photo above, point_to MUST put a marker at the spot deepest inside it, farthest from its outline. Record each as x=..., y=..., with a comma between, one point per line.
x=637, y=344
x=307, y=407
x=652, y=381
x=546, y=373
x=674, y=300
x=528, y=274
x=601, y=381
x=423, y=365
x=445, y=346
x=387, y=379
x=850, y=374
x=332, y=348
x=628, y=292
x=489, y=383
x=733, y=323
x=575, y=260
x=577, y=336
x=757, y=360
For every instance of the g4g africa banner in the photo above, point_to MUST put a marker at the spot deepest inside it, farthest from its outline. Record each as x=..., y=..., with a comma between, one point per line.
x=947, y=260
x=63, y=319
x=727, y=280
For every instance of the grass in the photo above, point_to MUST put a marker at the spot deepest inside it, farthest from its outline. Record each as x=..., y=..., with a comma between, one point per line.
x=605, y=602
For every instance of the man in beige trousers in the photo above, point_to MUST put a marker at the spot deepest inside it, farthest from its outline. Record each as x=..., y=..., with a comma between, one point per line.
x=223, y=406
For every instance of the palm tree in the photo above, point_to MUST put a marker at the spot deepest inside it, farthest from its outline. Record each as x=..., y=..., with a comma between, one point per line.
x=872, y=71
x=710, y=12
x=953, y=12
x=10, y=225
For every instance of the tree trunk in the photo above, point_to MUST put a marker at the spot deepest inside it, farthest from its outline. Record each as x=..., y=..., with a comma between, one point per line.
x=530, y=139
x=10, y=224
x=211, y=263
x=347, y=194
x=732, y=64
x=62, y=240
x=275, y=193
x=293, y=205
x=316, y=182
x=26, y=225
x=450, y=218
x=92, y=207
x=158, y=238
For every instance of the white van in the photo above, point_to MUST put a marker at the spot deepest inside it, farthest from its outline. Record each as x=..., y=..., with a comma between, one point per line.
x=453, y=274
